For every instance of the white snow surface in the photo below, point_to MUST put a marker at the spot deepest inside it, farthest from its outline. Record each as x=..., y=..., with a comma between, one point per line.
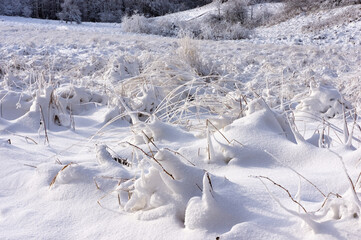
x=80, y=159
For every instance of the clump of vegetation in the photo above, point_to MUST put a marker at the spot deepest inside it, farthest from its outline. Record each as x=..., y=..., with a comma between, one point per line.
x=231, y=22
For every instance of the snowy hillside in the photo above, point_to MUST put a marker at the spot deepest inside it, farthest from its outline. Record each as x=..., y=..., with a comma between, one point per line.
x=106, y=134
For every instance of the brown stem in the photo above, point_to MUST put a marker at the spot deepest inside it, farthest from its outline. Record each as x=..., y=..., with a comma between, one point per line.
x=280, y=186
x=169, y=174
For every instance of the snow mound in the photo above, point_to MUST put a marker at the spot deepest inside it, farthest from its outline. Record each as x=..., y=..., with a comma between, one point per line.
x=324, y=101
x=212, y=211
x=168, y=182
x=158, y=131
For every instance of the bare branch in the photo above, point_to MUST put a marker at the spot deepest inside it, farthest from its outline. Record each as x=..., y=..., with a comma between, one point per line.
x=299, y=174
x=280, y=186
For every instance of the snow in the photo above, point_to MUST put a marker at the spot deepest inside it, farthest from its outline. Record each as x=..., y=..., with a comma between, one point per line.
x=326, y=27
x=108, y=134
x=192, y=13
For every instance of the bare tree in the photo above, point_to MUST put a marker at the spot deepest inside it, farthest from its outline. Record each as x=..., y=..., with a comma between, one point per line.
x=70, y=12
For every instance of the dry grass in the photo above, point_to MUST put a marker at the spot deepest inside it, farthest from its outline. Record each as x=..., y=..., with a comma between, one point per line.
x=54, y=178
x=152, y=157
x=283, y=188
x=43, y=123
x=27, y=139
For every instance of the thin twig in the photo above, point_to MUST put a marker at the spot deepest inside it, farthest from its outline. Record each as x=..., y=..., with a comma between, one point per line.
x=58, y=161
x=119, y=200
x=96, y=184
x=199, y=187
x=218, y=131
x=169, y=174
x=28, y=165
x=299, y=174
x=326, y=199
x=177, y=153
x=280, y=186
x=26, y=137
x=209, y=180
x=44, y=123
x=234, y=140
x=150, y=140
x=358, y=178
x=356, y=198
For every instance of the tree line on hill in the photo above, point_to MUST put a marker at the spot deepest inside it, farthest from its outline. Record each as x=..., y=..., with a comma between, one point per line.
x=94, y=10
x=116, y=10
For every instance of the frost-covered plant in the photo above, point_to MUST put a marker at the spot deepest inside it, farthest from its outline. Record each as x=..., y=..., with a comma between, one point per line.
x=347, y=206
x=166, y=187
x=165, y=27
x=120, y=68
x=214, y=27
x=70, y=12
x=136, y=23
x=188, y=53
x=173, y=187
x=228, y=23
x=236, y=11
x=184, y=84
x=140, y=24
x=261, y=17
x=226, y=31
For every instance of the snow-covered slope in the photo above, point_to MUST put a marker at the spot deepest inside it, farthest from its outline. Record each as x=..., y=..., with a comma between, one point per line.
x=191, y=14
x=227, y=118
x=336, y=26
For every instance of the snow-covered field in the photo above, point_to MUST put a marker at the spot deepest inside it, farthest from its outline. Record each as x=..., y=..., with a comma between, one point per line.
x=106, y=134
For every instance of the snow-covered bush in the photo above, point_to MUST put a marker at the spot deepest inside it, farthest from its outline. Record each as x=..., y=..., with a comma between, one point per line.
x=260, y=15
x=136, y=23
x=219, y=30
x=140, y=24
x=232, y=22
x=235, y=11
x=213, y=27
